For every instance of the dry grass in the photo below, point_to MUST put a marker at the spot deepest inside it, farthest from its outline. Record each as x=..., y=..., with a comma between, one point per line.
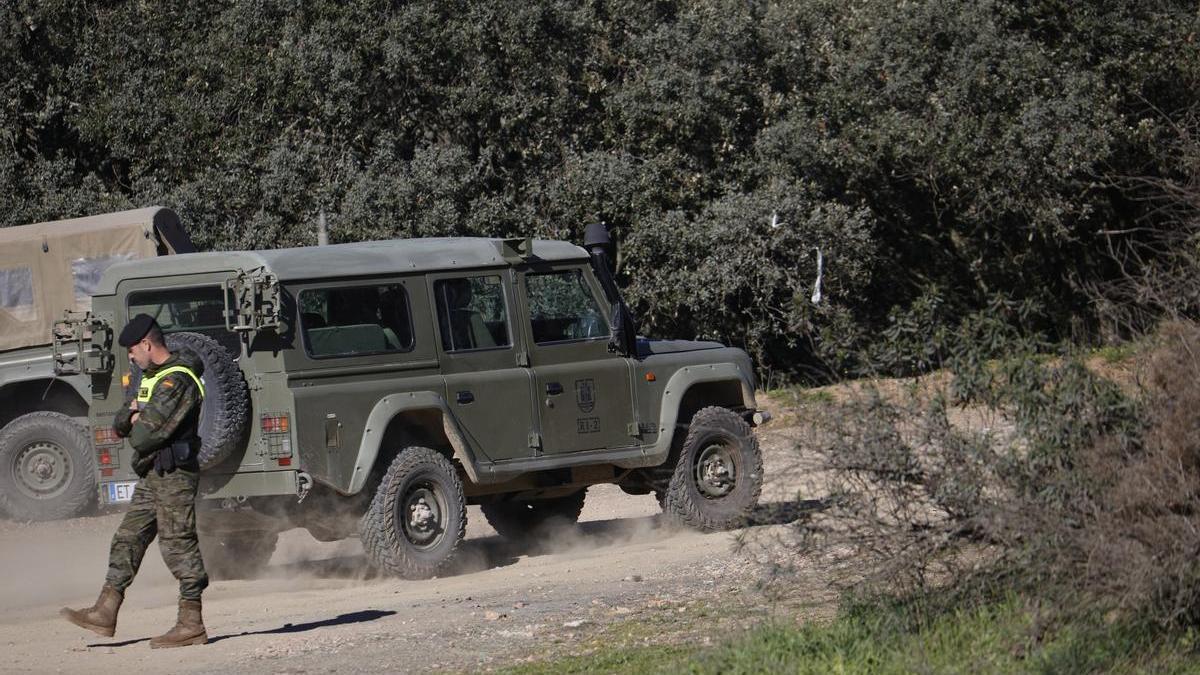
x=1034, y=473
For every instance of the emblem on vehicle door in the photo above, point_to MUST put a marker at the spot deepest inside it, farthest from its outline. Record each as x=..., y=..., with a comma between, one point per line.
x=585, y=395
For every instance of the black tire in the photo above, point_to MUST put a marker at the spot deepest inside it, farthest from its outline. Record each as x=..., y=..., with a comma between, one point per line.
x=237, y=555
x=397, y=544
x=47, y=468
x=521, y=520
x=718, y=477
x=660, y=496
x=225, y=415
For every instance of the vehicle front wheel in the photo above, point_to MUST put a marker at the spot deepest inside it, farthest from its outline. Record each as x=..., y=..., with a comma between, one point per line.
x=719, y=475
x=47, y=470
x=418, y=516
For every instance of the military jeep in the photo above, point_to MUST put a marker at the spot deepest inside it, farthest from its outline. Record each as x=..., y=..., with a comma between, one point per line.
x=379, y=388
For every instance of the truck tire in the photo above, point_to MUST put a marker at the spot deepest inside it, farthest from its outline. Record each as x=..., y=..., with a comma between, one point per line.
x=718, y=477
x=47, y=468
x=520, y=520
x=225, y=415
x=418, y=516
x=237, y=555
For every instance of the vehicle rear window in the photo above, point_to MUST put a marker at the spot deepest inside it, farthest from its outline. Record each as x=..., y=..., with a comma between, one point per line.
x=86, y=273
x=356, y=321
x=16, y=292
x=198, y=309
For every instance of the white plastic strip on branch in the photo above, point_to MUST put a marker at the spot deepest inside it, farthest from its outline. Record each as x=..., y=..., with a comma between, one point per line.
x=816, y=294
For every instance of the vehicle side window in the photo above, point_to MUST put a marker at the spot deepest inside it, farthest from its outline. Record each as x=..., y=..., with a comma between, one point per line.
x=354, y=321
x=471, y=313
x=86, y=273
x=16, y=292
x=562, y=308
x=198, y=309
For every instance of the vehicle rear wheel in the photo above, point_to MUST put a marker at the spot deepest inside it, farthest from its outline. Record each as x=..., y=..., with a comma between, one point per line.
x=719, y=475
x=519, y=520
x=47, y=469
x=418, y=516
x=237, y=555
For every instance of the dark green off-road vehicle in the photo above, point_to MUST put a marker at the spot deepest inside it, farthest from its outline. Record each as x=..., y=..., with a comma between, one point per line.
x=379, y=388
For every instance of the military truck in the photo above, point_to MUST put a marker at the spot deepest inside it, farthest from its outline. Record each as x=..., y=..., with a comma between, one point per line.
x=379, y=388
x=47, y=470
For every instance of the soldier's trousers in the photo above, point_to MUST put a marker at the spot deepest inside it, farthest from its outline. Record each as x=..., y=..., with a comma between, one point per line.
x=164, y=506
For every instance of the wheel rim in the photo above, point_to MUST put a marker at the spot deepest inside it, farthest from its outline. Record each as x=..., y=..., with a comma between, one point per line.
x=716, y=470
x=421, y=514
x=42, y=470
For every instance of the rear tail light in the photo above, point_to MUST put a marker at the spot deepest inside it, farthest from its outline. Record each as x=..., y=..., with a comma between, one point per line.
x=278, y=441
x=274, y=424
x=107, y=460
x=105, y=435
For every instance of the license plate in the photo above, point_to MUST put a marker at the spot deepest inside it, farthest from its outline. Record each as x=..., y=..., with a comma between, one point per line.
x=119, y=493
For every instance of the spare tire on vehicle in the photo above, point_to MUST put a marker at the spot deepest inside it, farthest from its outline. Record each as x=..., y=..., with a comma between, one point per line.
x=225, y=415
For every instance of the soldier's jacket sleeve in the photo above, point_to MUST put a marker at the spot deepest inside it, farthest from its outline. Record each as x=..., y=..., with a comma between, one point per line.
x=123, y=422
x=172, y=400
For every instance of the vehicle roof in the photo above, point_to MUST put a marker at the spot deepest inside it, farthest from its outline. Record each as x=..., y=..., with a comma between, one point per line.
x=360, y=259
x=86, y=224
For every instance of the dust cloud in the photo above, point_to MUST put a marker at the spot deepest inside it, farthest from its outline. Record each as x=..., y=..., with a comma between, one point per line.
x=65, y=561
x=610, y=518
x=48, y=565
x=300, y=556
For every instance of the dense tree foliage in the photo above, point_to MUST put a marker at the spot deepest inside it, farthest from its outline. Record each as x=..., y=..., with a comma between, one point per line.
x=955, y=149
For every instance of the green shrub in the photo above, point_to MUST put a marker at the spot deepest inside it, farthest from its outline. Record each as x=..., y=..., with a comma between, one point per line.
x=971, y=147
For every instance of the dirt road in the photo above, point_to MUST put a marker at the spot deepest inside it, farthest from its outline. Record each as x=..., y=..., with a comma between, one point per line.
x=318, y=608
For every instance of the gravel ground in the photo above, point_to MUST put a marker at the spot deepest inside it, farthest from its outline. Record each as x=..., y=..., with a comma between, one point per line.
x=319, y=608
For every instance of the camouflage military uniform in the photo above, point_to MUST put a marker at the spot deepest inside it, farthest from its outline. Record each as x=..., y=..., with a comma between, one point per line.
x=163, y=501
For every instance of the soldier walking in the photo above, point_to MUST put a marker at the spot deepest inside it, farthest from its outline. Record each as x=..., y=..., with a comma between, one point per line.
x=162, y=424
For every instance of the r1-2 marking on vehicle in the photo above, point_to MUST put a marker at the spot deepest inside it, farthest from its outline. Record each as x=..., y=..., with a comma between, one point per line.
x=587, y=425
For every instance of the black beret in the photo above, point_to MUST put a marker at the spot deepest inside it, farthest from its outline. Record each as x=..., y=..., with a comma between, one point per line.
x=136, y=329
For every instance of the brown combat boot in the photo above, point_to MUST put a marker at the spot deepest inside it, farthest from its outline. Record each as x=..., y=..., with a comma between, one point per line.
x=188, y=630
x=100, y=618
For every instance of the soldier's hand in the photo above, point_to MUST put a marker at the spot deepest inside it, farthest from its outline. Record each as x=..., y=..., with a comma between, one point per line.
x=133, y=405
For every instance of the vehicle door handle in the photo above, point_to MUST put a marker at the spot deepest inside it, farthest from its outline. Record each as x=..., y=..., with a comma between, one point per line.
x=553, y=388
x=333, y=431
x=464, y=397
